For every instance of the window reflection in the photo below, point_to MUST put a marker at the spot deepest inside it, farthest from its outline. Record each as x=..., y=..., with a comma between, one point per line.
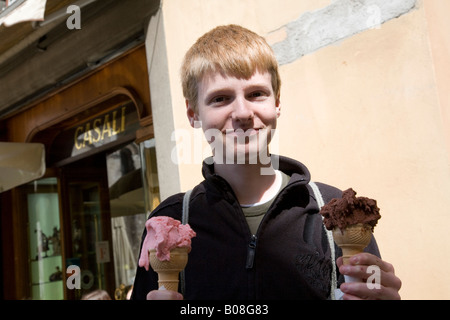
x=128, y=203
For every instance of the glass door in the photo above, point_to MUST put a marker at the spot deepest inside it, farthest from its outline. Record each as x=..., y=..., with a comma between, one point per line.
x=89, y=245
x=85, y=217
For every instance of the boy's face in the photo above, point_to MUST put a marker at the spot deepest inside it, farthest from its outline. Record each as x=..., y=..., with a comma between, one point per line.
x=238, y=114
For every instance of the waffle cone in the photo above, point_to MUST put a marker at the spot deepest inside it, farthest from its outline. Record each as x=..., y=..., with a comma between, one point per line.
x=168, y=271
x=352, y=240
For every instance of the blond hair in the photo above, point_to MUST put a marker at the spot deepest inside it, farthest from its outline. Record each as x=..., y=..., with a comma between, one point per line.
x=231, y=50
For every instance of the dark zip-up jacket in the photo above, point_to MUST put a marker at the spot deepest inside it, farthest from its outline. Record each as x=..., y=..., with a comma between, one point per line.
x=288, y=258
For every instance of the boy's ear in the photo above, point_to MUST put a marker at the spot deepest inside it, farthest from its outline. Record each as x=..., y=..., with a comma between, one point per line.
x=278, y=107
x=191, y=114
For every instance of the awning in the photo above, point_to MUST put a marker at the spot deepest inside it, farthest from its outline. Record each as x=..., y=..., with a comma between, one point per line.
x=23, y=10
x=20, y=163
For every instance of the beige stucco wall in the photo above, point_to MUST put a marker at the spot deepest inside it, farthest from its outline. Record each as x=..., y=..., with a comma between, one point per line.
x=370, y=111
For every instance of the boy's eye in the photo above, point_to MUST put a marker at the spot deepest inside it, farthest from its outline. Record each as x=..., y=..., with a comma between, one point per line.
x=257, y=94
x=218, y=100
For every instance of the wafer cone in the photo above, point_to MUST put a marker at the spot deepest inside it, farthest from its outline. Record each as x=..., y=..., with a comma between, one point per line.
x=168, y=271
x=352, y=240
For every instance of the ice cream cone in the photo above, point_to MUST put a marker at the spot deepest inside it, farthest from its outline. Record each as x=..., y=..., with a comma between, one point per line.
x=352, y=240
x=168, y=271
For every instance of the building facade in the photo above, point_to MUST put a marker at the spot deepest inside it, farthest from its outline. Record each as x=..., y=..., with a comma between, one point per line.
x=84, y=94
x=364, y=100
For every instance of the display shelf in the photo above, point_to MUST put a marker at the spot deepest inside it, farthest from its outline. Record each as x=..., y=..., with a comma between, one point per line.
x=44, y=283
x=52, y=256
x=42, y=271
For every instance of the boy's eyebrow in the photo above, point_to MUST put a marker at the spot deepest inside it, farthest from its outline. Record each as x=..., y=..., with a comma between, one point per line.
x=226, y=90
x=260, y=86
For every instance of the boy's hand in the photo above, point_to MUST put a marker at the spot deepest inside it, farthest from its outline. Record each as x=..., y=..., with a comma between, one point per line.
x=389, y=284
x=164, y=295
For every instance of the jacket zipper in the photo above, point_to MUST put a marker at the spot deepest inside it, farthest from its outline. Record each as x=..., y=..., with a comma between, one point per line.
x=251, y=252
x=251, y=249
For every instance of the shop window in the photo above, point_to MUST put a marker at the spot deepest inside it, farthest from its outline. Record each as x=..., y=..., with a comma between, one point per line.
x=46, y=272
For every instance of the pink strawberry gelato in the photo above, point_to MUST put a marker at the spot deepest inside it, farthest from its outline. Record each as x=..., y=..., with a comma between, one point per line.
x=164, y=234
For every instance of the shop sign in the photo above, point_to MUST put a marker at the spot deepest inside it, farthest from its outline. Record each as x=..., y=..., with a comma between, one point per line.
x=116, y=126
x=100, y=130
x=102, y=251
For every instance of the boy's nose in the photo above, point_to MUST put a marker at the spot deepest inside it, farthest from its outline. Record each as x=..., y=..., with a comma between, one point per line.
x=242, y=112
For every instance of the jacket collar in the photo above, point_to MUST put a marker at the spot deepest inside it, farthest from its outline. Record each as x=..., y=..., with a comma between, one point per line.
x=293, y=168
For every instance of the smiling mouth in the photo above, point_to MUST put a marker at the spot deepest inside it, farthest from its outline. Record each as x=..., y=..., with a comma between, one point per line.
x=241, y=132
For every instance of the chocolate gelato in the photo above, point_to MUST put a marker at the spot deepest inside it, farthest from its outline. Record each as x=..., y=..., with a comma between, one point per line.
x=350, y=210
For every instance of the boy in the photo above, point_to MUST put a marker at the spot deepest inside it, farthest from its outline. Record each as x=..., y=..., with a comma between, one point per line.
x=259, y=231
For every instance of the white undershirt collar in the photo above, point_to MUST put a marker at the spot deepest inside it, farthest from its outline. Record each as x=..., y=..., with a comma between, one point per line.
x=270, y=193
